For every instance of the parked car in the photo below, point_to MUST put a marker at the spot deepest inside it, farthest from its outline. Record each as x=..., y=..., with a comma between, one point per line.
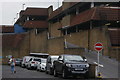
x=70, y=65
x=9, y=61
x=42, y=65
x=49, y=63
x=25, y=60
x=33, y=62
x=18, y=61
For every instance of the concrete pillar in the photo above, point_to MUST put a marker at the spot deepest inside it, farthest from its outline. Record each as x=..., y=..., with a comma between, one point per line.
x=92, y=4
x=77, y=10
x=65, y=31
x=27, y=18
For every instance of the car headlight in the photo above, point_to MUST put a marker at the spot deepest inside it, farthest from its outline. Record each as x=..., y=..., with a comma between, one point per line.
x=68, y=65
x=87, y=65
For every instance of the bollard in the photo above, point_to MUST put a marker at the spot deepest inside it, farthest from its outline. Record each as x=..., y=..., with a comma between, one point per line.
x=92, y=71
x=99, y=75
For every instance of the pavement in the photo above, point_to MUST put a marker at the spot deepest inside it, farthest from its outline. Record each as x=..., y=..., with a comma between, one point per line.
x=109, y=68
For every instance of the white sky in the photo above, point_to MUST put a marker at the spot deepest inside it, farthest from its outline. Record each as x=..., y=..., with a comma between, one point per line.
x=9, y=9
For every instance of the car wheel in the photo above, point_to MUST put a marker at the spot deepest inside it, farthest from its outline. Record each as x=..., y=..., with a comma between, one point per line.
x=86, y=75
x=37, y=69
x=27, y=67
x=64, y=74
x=51, y=71
x=40, y=69
x=55, y=73
x=46, y=71
x=22, y=66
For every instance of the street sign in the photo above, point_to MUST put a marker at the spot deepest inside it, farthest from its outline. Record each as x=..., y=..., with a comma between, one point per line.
x=98, y=46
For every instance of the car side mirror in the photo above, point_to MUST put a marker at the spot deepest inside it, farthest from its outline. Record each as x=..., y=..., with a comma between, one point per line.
x=61, y=60
x=85, y=59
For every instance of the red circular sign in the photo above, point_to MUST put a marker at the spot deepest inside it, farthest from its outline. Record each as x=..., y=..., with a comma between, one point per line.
x=98, y=46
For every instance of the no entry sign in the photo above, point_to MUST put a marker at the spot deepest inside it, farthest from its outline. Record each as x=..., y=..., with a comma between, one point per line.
x=98, y=46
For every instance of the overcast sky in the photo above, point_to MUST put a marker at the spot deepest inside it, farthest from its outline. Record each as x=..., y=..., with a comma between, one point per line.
x=9, y=9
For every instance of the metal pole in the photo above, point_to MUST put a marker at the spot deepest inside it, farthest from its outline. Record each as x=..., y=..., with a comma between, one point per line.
x=98, y=61
x=23, y=6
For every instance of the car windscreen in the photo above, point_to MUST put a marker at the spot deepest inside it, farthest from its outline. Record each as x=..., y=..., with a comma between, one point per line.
x=18, y=59
x=73, y=58
x=53, y=59
x=43, y=61
x=36, y=59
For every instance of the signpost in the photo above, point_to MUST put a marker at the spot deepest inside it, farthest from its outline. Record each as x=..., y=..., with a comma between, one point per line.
x=98, y=47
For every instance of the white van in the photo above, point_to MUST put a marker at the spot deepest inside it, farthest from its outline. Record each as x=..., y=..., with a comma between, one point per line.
x=25, y=60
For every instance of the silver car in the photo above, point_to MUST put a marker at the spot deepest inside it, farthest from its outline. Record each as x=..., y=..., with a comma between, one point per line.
x=42, y=65
x=33, y=62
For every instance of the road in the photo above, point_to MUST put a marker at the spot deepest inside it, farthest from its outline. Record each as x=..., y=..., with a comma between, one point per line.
x=109, y=68
x=23, y=73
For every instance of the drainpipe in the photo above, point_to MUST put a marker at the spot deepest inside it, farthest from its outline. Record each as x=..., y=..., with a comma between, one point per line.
x=77, y=10
x=23, y=5
x=65, y=31
x=27, y=18
x=65, y=44
x=48, y=35
x=89, y=35
x=76, y=28
x=29, y=42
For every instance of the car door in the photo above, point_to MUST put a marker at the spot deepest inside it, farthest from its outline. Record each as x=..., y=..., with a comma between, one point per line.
x=48, y=64
x=28, y=63
x=60, y=64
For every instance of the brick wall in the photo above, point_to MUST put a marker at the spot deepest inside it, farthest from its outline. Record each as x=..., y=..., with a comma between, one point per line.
x=115, y=53
x=24, y=47
x=53, y=29
x=38, y=42
x=79, y=38
x=56, y=46
x=100, y=35
x=9, y=51
x=66, y=20
x=65, y=5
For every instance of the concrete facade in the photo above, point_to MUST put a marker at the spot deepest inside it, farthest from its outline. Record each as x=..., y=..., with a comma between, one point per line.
x=52, y=41
x=82, y=38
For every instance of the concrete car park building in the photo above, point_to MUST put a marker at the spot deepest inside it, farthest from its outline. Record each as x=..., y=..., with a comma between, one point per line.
x=81, y=25
x=73, y=28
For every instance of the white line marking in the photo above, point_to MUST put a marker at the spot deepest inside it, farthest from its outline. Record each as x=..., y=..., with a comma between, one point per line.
x=98, y=46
